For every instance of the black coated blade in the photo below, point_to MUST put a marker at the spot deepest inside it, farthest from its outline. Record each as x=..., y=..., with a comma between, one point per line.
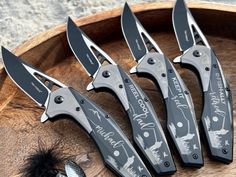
x=81, y=45
x=181, y=26
x=19, y=72
x=186, y=29
x=132, y=35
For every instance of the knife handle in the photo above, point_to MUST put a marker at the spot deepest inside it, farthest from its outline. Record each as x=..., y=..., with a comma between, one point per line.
x=217, y=112
x=181, y=119
x=147, y=131
x=115, y=148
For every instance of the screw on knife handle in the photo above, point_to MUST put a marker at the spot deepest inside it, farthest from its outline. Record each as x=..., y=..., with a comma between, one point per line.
x=217, y=112
x=147, y=131
x=115, y=148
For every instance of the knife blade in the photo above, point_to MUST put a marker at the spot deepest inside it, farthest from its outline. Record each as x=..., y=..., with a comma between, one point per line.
x=181, y=119
x=217, y=111
x=115, y=148
x=147, y=131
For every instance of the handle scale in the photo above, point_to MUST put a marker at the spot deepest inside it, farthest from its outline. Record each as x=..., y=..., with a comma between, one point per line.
x=217, y=112
x=181, y=119
x=115, y=148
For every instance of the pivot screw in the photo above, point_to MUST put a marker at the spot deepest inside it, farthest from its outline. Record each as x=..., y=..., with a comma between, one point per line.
x=196, y=53
x=207, y=69
x=120, y=86
x=82, y=101
x=151, y=61
x=58, y=99
x=166, y=164
x=195, y=156
x=106, y=74
x=77, y=108
x=170, y=71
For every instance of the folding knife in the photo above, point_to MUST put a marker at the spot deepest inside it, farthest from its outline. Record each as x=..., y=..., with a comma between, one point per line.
x=181, y=120
x=72, y=170
x=147, y=131
x=115, y=148
x=217, y=112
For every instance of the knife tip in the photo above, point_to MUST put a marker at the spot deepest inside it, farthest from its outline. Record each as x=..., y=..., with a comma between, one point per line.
x=4, y=50
x=69, y=21
x=126, y=7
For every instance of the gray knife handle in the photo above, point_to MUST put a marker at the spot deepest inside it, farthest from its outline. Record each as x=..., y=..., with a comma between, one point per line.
x=217, y=112
x=115, y=148
x=181, y=119
x=147, y=131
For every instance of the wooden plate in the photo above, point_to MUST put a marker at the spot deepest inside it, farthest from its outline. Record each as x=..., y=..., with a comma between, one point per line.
x=20, y=127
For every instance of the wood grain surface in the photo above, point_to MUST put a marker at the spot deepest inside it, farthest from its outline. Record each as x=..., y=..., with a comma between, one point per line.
x=20, y=126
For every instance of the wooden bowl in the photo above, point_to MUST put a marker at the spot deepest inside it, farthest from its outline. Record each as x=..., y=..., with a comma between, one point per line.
x=20, y=127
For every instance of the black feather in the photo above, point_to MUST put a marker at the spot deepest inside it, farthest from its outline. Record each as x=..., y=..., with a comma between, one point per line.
x=44, y=162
